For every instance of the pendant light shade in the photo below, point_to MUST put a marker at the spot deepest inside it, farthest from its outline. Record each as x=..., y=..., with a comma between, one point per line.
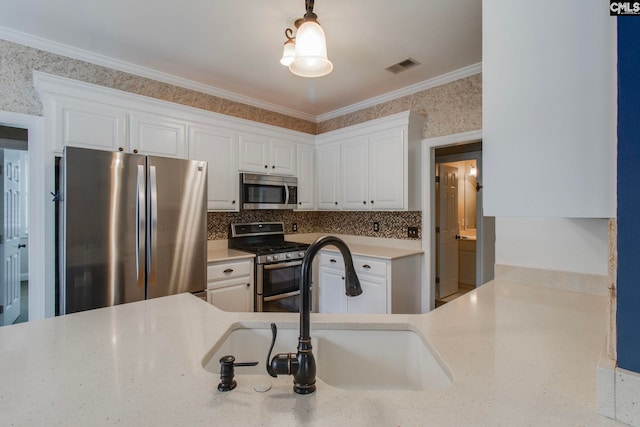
x=310, y=51
x=289, y=53
x=306, y=53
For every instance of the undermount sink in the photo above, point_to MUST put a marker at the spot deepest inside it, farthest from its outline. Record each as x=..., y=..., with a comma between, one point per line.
x=361, y=359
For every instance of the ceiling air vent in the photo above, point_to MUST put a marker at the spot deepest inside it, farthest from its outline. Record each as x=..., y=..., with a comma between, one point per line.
x=402, y=66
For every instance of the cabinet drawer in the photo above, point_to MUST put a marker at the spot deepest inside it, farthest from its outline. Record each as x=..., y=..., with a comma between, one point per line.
x=228, y=270
x=331, y=260
x=369, y=266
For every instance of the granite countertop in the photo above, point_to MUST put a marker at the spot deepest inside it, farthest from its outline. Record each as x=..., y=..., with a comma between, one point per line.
x=519, y=355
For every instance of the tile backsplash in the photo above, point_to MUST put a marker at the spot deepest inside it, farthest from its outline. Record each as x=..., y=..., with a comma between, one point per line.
x=391, y=224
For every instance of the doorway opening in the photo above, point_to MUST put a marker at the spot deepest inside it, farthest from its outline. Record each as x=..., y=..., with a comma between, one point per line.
x=464, y=238
x=14, y=211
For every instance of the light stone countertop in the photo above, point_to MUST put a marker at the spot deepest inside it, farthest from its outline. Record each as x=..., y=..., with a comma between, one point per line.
x=519, y=355
x=225, y=254
x=370, y=247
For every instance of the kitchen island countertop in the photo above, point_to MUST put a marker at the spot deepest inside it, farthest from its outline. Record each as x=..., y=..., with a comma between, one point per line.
x=519, y=355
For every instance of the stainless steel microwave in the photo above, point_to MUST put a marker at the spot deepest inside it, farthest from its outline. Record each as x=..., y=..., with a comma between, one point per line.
x=268, y=191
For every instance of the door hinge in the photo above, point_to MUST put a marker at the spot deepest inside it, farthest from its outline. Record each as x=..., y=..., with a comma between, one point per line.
x=437, y=229
x=437, y=280
x=437, y=179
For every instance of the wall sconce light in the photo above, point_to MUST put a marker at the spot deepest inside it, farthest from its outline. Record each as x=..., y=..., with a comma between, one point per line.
x=473, y=171
x=306, y=53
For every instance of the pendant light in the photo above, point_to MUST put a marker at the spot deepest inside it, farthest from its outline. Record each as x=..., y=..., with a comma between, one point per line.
x=309, y=47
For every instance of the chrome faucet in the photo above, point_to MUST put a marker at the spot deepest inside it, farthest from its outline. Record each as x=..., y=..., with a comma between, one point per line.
x=302, y=365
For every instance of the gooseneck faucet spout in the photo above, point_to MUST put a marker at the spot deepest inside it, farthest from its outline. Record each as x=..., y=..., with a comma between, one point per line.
x=302, y=365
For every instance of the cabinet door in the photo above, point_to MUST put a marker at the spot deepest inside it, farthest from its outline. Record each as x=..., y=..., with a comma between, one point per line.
x=331, y=293
x=387, y=171
x=328, y=173
x=373, y=299
x=89, y=125
x=355, y=180
x=220, y=149
x=234, y=297
x=282, y=157
x=157, y=135
x=254, y=153
x=306, y=177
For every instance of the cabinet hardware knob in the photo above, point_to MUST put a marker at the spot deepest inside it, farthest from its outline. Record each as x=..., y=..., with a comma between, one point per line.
x=233, y=202
x=332, y=261
x=228, y=270
x=273, y=167
x=266, y=166
x=364, y=202
x=366, y=266
x=120, y=149
x=336, y=203
x=372, y=202
x=248, y=284
x=135, y=151
x=342, y=277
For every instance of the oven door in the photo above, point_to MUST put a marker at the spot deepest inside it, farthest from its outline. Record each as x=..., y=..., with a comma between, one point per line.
x=278, y=282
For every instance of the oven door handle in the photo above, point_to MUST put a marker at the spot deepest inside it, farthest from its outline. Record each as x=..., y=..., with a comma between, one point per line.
x=281, y=265
x=281, y=296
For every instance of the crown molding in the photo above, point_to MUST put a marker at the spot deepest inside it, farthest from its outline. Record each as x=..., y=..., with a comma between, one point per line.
x=106, y=61
x=409, y=90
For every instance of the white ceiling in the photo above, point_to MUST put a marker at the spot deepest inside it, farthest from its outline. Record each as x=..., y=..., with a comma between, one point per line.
x=235, y=45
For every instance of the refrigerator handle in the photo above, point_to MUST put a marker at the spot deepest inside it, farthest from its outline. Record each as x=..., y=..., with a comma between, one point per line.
x=153, y=217
x=141, y=224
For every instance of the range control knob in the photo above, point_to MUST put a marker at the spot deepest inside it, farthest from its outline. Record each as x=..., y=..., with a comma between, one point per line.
x=276, y=257
x=269, y=258
x=289, y=256
x=300, y=254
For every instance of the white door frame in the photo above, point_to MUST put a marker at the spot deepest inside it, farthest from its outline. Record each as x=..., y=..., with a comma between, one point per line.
x=41, y=217
x=428, y=207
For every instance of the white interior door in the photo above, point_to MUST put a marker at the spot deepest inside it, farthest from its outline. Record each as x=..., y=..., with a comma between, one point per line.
x=10, y=238
x=448, y=223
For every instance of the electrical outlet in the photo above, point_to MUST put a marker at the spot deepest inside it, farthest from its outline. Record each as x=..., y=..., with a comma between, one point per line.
x=294, y=227
x=376, y=226
x=412, y=232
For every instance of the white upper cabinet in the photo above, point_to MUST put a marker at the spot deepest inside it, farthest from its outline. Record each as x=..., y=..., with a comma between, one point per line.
x=355, y=174
x=306, y=177
x=219, y=148
x=328, y=177
x=549, y=109
x=379, y=165
x=157, y=135
x=87, y=124
x=261, y=154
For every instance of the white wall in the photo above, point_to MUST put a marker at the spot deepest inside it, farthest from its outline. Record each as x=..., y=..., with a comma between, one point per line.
x=563, y=244
x=549, y=109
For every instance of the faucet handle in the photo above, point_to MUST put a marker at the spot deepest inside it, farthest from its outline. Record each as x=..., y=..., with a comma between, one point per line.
x=274, y=334
x=282, y=363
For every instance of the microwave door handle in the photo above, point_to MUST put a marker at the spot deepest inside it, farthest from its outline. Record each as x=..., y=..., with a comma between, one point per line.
x=286, y=194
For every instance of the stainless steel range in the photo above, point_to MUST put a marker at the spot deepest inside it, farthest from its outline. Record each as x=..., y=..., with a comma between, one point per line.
x=277, y=267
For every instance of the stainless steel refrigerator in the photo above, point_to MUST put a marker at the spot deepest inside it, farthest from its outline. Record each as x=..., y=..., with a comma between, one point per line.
x=131, y=227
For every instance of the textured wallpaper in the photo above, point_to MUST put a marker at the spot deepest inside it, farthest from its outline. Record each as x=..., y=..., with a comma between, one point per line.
x=18, y=94
x=451, y=108
x=392, y=224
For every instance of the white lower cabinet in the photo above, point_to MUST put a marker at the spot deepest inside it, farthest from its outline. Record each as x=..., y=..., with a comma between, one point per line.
x=331, y=286
x=230, y=285
x=388, y=286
